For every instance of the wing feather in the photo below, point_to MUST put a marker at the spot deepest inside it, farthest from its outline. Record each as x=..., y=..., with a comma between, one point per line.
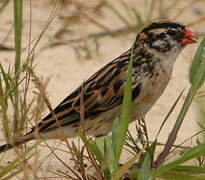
x=102, y=92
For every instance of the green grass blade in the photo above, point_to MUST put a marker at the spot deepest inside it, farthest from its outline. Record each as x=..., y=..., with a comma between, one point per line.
x=197, y=69
x=115, y=133
x=18, y=9
x=107, y=164
x=93, y=148
x=151, y=150
x=125, y=114
x=7, y=81
x=190, y=169
x=179, y=176
x=192, y=153
x=123, y=169
x=4, y=103
x=144, y=173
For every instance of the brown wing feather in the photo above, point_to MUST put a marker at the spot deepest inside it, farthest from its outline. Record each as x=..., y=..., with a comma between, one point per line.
x=102, y=91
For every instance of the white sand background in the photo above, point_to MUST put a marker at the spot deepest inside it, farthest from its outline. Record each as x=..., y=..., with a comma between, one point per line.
x=66, y=71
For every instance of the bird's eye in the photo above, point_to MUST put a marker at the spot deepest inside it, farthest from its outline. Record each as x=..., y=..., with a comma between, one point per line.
x=172, y=32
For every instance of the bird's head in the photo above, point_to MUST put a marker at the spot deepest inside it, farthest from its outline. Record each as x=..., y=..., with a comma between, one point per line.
x=164, y=36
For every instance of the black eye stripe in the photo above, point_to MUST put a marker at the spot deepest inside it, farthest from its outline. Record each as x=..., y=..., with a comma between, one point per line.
x=172, y=32
x=154, y=37
x=175, y=33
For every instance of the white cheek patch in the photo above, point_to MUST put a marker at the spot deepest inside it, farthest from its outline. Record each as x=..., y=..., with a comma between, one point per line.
x=161, y=45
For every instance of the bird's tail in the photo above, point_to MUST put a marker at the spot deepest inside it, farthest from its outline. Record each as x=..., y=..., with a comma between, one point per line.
x=21, y=140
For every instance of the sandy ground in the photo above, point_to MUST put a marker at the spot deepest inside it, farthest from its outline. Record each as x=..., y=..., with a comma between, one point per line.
x=66, y=71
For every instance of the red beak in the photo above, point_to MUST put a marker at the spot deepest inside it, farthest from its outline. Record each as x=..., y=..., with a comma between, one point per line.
x=189, y=37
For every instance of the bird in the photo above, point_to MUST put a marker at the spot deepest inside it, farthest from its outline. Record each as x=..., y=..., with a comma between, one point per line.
x=153, y=52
